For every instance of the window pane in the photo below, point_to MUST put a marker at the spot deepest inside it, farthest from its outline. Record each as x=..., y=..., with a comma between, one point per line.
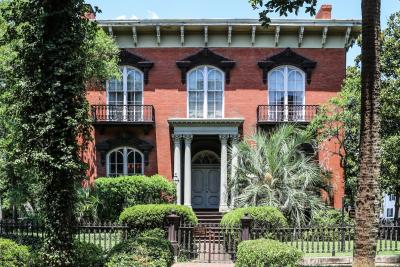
x=276, y=80
x=295, y=80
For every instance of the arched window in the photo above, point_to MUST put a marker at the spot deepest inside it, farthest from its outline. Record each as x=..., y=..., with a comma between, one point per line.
x=286, y=86
x=124, y=161
x=205, y=92
x=125, y=96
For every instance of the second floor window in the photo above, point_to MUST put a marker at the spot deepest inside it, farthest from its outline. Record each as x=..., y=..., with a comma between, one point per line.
x=125, y=96
x=205, y=92
x=286, y=96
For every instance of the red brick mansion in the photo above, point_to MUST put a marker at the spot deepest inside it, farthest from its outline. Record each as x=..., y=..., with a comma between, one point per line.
x=191, y=89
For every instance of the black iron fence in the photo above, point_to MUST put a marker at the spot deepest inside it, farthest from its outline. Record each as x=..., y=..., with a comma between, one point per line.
x=105, y=235
x=123, y=113
x=214, y=243
x=286, y=113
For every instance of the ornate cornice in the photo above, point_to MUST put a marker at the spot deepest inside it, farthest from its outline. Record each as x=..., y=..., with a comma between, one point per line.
x=128, y=58
x=287, y=57
x=205, y=57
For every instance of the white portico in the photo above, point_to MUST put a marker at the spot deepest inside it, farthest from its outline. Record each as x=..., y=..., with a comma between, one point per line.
x=203, y=178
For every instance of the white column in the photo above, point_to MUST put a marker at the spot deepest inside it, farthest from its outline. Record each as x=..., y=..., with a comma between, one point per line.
x=234, y=165
x=177, y=167
x=223, y=200
x=188, y=171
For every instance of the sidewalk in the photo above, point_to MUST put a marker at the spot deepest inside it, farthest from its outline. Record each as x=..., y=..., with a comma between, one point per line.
x=194, y=264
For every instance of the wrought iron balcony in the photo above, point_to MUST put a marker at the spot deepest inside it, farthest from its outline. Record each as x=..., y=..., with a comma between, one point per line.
x=267, y=114
x=123, y=114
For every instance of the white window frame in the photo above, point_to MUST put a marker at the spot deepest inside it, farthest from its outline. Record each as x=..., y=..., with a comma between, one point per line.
x=124, y=73
x=205, y=91
x=125, y=159
x=285, y=89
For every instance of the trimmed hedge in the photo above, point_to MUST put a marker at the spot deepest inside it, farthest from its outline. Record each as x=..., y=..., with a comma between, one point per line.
x=266, y=253
x=150, y=216
x=149, y=249
x=13, y=255
x=263, y=216
x=117, y=193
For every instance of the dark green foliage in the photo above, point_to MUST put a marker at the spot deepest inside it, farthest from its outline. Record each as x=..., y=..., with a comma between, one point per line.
x=13, y=255
x=149, y=249
x=46, y=110
x=282, y=7
x=115, y=194
x=87, y=255
x=150, y=216
x=267, y=253
x=263, y=216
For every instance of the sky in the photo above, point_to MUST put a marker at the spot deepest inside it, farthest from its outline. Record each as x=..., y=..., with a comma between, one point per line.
x=205, y=9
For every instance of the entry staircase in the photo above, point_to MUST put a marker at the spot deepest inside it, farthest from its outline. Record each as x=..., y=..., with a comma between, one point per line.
x=209, y=217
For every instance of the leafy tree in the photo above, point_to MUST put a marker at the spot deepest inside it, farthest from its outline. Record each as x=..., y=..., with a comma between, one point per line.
x=274, y=171
x=339, y=121
x=46, y=109
x=367, y=203
x=390, y=111
x=20, y=184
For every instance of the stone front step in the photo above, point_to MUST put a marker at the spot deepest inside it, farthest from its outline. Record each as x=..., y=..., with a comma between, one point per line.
x=209, y=217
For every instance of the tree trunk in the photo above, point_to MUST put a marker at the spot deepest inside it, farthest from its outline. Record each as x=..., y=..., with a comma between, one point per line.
x=367, y=203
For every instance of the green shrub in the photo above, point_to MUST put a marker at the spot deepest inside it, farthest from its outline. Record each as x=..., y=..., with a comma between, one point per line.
x=117, y=193
x=12, y=254
x=144, y=217
x=149, y=249
x=266, y=253
x=87, y=255
x=263, y=216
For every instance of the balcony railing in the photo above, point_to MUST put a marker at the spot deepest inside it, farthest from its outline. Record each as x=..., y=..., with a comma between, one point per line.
x=286, y=113
x=136, y=114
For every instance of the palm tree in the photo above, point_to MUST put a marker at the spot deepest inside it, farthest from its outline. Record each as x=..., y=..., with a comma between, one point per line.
x=273, y=170
x=367, y=203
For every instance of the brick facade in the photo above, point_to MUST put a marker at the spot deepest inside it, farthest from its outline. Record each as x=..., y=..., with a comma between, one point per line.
x=243, y=94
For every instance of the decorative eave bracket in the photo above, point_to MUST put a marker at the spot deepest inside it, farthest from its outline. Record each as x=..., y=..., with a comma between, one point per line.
x=287, y=57
x=205, y=57
x=128, y=58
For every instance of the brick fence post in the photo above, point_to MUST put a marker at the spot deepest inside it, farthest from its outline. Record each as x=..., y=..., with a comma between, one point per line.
x=173, y=221
x=246, y=221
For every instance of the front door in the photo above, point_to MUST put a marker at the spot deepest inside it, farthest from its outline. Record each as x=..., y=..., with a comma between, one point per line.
x=205, y=186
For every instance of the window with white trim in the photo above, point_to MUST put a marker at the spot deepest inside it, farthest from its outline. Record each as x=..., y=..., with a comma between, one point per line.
x=205, y=92
x=286, y=93
x=125, y=96
x=125, y=161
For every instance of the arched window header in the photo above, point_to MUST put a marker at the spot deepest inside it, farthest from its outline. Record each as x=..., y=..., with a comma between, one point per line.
x=287, y=57
x=205, y=57
x=130, y=59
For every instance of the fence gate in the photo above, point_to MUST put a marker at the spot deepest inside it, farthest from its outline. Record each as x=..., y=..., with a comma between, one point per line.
x=208, y=243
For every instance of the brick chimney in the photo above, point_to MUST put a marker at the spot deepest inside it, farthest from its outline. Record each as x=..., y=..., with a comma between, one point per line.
x=89, y=12
x=325, y=12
